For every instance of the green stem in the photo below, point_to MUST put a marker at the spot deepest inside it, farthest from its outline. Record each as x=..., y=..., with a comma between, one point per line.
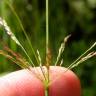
x=47, y=38
x=47, y=27
x=46, y=92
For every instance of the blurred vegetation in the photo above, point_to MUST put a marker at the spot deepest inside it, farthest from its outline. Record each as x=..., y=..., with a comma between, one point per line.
x=75, y=17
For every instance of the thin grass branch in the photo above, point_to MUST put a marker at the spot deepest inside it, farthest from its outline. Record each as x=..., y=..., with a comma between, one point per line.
x=61, y=49
x=77, y=60
x=90, y=55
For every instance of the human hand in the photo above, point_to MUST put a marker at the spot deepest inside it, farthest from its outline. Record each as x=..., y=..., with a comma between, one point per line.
x=24, y=83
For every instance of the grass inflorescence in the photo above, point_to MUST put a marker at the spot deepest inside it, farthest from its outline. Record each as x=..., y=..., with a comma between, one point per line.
x=22, y=62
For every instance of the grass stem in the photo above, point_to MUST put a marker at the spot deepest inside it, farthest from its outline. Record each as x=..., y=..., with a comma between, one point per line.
x=46, y=92
x=47, y=27
x=47, y=39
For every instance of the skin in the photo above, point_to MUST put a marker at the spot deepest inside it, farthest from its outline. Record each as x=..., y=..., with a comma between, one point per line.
x=25, y=83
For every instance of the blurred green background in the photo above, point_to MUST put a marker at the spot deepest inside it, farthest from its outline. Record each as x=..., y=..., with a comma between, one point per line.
x=75, y=17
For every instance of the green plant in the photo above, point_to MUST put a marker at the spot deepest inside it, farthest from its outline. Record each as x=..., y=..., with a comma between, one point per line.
x=18, y=59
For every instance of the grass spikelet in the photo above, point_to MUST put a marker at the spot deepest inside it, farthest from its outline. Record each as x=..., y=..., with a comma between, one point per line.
x=90, y=55
x=61, y=62
x=61, y=49
x=13, y=37
x=39, y=58
x=79, y=58
x=40, y=65
x=8, y=31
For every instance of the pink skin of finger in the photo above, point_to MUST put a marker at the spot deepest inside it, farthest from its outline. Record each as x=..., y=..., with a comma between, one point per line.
x=24, y=83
